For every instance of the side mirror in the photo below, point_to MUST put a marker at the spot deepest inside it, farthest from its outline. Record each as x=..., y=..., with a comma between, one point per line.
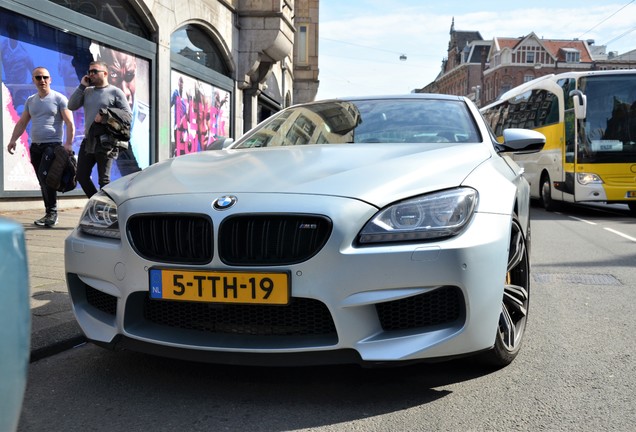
x=522, y=141
x=220, y=144
x=580, y=104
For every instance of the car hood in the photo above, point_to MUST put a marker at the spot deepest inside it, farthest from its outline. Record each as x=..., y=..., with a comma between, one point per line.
x=375, y=173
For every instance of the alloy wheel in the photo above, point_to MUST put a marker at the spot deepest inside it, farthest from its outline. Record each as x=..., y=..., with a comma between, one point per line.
x=514, y=310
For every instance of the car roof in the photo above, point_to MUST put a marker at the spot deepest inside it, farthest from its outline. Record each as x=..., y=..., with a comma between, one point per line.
x=420, y=96
x=406, y=96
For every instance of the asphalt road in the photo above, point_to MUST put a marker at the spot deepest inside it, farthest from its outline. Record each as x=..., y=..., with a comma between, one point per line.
x=576, y=370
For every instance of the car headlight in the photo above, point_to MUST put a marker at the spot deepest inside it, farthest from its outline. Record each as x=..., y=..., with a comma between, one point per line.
x=588, y=178
x=100, y=217
x=434, y=216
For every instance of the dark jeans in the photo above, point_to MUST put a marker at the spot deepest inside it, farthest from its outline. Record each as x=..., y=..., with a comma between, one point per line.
x=126, y=162
x=41, y=157
x=85, y=163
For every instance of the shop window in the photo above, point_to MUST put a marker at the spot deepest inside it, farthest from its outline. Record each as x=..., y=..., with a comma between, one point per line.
x=200, y=115
x=201, y=99
x=117, y=13
x=26, y=43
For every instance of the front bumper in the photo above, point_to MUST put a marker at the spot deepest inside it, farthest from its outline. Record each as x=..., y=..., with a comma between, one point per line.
x=391, y=303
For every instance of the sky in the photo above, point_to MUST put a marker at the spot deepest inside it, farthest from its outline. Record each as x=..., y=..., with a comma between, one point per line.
x=361, y=41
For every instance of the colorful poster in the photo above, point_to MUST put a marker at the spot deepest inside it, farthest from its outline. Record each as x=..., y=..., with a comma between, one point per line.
x=199, y=113
x=67, y=57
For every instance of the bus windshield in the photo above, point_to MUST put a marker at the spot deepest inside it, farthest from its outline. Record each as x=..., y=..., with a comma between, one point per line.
x=608, y=134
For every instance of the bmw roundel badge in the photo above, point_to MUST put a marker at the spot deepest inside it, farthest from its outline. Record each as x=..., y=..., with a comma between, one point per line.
x=224, y=202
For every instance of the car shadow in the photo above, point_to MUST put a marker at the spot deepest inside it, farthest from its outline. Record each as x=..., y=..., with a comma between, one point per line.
x=318, y=396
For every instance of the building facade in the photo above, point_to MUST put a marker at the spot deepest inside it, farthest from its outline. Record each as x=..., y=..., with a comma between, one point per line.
x=306, y=51
x=513, y=61
x=485, y=69
x=194, y=72
x=462, y=69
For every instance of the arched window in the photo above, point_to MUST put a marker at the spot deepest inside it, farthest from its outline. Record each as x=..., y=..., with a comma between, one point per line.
x=192, y=43
x=201, y=89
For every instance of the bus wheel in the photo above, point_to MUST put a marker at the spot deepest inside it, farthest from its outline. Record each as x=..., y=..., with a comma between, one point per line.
x=546, y=194
x=515, y=303
x=632, y=208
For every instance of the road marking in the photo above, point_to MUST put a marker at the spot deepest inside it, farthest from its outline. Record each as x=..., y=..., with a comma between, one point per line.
x=620, y=234
x=607, y=229
x=582, y=220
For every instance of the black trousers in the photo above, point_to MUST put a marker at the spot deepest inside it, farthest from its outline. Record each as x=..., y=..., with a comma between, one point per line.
x=42, y=155
x=85, y=163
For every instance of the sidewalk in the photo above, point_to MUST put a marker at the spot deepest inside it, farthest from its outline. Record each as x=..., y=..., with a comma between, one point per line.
x=53, y=326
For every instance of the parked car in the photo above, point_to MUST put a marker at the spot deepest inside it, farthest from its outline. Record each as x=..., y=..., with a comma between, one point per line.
x=376, y=230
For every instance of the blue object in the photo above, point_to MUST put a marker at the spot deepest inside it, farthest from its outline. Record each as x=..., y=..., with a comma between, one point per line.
x=15, y=323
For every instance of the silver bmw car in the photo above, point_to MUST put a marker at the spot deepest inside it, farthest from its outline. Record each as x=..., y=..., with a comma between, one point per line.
x=377, y=230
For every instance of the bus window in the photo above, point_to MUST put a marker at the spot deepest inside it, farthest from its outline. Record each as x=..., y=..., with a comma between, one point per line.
x=567, y=85
x=570, y=121
x=609, y=131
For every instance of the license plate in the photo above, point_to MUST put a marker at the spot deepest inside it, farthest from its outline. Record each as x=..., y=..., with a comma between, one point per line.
x=630, y=194
x=219, y=287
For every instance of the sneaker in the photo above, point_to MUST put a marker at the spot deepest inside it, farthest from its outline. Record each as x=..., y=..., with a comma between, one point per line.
x=50, y=220
x=41, y=221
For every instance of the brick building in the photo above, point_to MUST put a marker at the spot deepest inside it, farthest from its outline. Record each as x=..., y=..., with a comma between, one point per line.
x=462, y=68
x=485, y=69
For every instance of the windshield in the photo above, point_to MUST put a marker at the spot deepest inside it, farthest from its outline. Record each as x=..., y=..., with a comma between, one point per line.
x=608, y=133
x=366, y=121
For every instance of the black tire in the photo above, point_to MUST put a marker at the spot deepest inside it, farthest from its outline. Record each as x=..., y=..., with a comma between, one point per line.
x=515, y=303
x=546, y=194
x=632, y=208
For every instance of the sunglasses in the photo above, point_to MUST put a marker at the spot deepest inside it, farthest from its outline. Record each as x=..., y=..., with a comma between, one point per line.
x=95, y=71
x=41, y=77
x=128, y=76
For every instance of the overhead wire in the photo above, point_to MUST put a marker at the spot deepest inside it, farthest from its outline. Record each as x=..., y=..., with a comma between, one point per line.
x=620, y=36
x=363, y=46
x=601, y=22
x=400, y=53
x=579, y=38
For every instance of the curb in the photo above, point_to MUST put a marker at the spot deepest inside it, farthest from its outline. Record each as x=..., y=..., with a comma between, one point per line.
x=56, y=348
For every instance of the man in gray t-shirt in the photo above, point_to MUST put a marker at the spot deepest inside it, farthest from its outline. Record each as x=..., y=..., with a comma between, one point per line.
x=95, y=93
x=48, y=111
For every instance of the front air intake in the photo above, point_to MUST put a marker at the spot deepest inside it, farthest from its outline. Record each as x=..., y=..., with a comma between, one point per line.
x=172, y=238
x=272, y=239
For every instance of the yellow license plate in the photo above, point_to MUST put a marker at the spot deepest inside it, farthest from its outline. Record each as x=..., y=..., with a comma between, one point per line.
x=219, y=287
